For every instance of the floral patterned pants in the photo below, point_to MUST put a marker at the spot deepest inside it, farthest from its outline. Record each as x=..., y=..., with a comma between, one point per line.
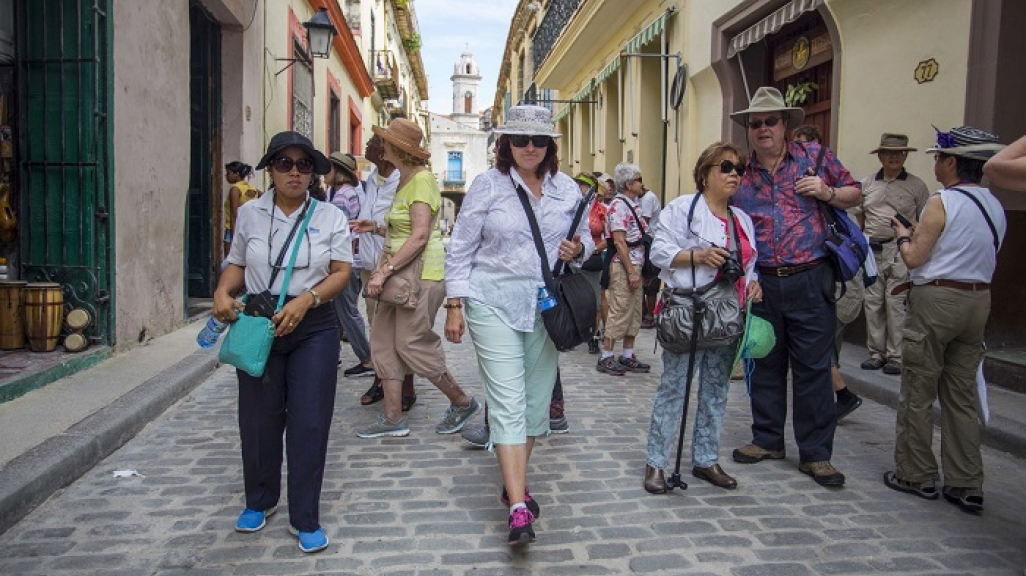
x=713, y=368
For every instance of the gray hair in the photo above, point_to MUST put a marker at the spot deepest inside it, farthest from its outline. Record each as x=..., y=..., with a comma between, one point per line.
x=624, y=173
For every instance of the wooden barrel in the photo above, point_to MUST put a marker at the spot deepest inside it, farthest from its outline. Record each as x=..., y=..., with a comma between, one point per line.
x=75, y=342
x=78, y=320
x=12, y=315
x=44, y=313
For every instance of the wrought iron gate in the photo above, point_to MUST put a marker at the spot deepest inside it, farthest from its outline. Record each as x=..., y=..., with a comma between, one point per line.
x=64, y=78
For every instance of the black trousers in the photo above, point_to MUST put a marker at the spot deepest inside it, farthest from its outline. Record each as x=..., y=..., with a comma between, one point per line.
x=804, y=320
x=295, y=397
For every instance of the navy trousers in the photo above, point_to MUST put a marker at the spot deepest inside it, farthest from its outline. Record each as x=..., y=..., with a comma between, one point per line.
x=295, y=397
x=803, y=319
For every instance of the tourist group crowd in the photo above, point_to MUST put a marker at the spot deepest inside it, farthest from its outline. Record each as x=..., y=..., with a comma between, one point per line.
x=753, y=231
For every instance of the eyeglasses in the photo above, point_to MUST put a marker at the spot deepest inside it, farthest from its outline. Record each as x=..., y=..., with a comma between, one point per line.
x=726, y=167
x=771, y=122
x=284, y=165
x=521, y=140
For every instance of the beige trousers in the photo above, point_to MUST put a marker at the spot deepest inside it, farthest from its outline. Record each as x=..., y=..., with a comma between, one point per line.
x=885, y=314
x=943, y=347
x=403, y=339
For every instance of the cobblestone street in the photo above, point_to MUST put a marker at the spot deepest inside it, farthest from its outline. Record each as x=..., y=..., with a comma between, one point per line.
x=427, y=504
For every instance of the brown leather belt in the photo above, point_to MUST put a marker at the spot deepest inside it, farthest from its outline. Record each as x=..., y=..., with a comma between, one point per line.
x=970, y=286
x=789, y=270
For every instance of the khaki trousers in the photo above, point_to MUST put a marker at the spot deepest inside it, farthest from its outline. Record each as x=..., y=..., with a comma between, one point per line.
x=943, y=347
x=404, y=340
x=885, y=314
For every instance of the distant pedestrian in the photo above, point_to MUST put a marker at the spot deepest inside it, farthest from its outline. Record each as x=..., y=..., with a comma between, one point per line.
x=295, y=397
x=892, y=190
x=697, y=248
x=592, y=267
x=346, y=193
x=404, y=337
x=651, y=205
x=493, y=270
x=625, y=294
x=782, y=196
x=951, y=256
x=241, y=191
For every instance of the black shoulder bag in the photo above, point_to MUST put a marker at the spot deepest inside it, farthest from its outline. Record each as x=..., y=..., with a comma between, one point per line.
x=572, y=320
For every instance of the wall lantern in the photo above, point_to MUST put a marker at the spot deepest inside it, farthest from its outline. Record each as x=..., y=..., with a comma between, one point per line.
x=319, y=33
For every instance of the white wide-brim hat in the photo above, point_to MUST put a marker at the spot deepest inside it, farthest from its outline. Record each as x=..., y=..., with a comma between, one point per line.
x=529, y=120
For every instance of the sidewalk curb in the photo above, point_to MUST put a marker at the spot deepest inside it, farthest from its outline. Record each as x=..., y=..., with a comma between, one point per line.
x=28, y=480
x=1001, y=433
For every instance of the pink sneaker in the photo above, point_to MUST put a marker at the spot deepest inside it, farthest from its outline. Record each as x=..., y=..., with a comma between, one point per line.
x=520, y=530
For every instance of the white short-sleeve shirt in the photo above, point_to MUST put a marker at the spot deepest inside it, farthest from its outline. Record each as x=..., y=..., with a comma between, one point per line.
x=261, y=230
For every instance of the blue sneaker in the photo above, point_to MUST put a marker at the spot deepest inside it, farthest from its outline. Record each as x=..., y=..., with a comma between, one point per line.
x=311, y=542
x=252, y=520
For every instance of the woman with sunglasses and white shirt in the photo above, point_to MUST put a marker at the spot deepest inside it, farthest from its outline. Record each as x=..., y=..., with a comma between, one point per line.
x=296, y=395
x=493, y=273
x=677, y=248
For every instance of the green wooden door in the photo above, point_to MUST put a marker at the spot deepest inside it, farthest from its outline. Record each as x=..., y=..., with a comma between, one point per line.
x=65, y=204
x=204, y=173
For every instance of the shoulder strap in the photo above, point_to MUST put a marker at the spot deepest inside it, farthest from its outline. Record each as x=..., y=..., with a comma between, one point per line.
x=292, y=259
x=986, y=216
x=536, y=233
x=691, y=210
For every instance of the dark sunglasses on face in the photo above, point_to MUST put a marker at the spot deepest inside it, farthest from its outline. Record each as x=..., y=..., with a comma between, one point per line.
x=284, y=165
x=756, y=124
x=521, y=140
x=726, y=167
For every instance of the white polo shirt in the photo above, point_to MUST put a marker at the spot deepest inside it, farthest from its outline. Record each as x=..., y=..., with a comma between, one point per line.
x=261, y=229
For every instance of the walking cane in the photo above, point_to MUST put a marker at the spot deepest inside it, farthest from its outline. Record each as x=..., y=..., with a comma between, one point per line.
x=675, y=480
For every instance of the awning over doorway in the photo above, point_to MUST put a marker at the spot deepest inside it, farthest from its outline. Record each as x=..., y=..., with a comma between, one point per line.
x=647, y=34
x=771, y=24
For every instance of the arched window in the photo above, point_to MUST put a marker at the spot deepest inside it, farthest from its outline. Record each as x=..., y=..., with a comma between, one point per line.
x=468, y=103
x=468, y=69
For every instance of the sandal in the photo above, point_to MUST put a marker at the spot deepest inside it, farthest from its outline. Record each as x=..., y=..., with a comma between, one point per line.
x=927, y=491
x=968, y=499
x=408, y=402
x=373, y=394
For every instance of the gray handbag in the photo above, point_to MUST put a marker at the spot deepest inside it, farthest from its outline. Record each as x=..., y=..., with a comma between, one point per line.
x=711, y=314
x=702, y=317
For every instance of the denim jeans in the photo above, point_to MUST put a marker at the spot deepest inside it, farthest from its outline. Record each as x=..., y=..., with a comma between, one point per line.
x=713, y=367
x=345, y=305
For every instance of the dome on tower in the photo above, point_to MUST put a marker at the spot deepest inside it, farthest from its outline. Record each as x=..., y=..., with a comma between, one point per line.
x=466, y=66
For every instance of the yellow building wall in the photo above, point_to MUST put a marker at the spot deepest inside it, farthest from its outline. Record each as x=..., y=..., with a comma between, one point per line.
x=882, y=44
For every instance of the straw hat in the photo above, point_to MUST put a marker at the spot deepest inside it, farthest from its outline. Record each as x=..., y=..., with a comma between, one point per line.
x=893, y=142
x=768, y=99
x=528, y=120
x=404, y=135
x=967, y=142
x=345, y=163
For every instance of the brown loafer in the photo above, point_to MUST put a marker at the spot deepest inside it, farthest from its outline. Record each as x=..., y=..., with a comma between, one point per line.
x=655, y=482
x=715, y=476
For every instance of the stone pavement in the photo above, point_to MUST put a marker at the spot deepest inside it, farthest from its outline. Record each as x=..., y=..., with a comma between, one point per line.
x=427, y=504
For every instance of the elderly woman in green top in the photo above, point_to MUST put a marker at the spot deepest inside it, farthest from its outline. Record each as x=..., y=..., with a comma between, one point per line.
x=403, y=337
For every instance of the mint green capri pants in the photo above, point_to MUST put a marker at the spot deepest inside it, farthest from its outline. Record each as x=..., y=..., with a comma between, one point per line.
x=518, y=372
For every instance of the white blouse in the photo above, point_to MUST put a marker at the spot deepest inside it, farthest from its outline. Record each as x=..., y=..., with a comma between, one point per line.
x=492, y=257
x=672, y=236
x=259, y=236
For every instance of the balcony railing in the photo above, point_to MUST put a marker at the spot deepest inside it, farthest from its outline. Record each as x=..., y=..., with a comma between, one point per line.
x=556, y=18
x=454, y=178
x=385, y=71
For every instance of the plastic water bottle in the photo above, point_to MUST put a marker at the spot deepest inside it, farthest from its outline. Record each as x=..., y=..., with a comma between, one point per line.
x=546, y=301
x=210, y=333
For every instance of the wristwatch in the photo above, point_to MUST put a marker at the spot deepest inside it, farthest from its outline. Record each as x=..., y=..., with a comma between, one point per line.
x=391, y=269
x=316, y=297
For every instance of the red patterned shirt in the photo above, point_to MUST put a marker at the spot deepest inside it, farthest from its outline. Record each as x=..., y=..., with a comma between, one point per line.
x=789, y=228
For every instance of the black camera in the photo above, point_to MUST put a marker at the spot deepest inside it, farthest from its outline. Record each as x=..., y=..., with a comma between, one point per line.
x=731, y=268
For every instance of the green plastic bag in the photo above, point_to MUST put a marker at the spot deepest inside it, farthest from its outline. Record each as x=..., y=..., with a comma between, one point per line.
x=759, y=337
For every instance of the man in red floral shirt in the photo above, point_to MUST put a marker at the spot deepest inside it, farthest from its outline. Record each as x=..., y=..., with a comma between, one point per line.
x=781, y=191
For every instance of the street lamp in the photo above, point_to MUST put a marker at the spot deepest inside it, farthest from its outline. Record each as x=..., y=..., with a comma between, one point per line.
x=319, y=33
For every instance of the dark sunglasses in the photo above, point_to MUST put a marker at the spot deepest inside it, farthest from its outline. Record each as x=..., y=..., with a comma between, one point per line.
x=726, y=167
x=284, y=165
x=520, y=141
x=756, y=124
